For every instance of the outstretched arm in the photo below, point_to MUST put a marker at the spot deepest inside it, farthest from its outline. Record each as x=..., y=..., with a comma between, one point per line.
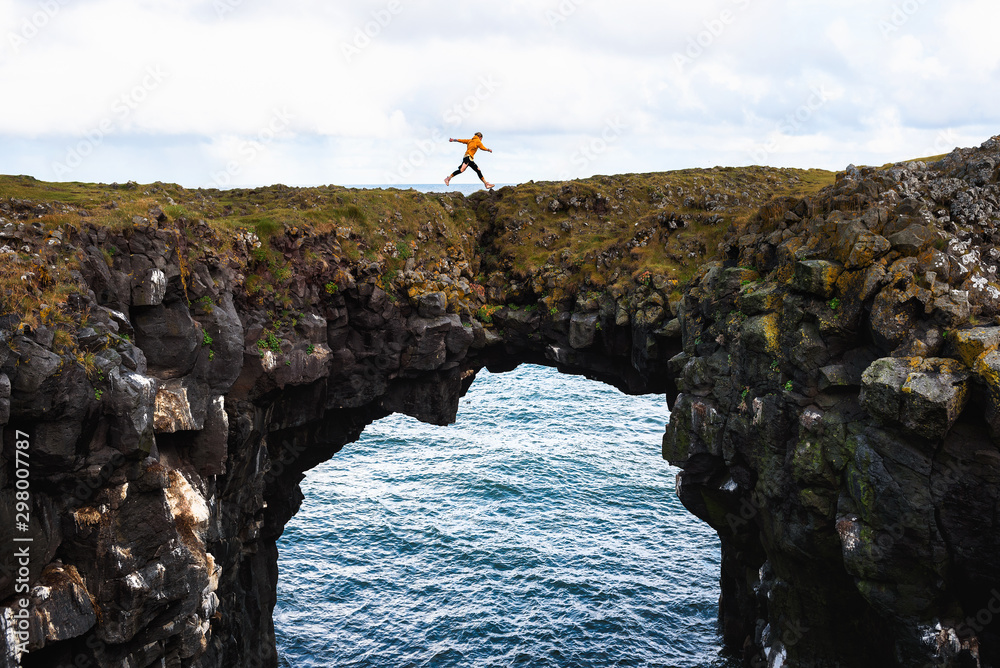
x=464, y=141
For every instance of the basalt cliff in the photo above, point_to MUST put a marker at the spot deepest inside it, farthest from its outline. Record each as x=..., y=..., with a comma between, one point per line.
x=173, y=361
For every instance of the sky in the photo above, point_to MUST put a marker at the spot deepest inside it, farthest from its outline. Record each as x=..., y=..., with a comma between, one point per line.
x=224, y=93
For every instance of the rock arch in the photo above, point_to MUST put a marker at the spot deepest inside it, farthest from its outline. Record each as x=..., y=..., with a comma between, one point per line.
x=834, y=380
x=160, y=536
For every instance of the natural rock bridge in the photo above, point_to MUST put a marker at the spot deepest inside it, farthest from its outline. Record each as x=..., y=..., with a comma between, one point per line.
x=834, y=380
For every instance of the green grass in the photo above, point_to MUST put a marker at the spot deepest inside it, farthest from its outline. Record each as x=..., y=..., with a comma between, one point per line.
x=928, y=160
x=605, y=232
x=628, y=219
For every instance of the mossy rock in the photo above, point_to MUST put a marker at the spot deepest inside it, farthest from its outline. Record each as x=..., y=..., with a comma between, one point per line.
x=818, y=277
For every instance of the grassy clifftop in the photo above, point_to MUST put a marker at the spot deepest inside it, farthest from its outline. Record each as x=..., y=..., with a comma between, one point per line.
x=535, y=241
x=610, y=230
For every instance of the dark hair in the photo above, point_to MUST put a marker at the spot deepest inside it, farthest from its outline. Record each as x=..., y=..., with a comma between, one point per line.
x=479, y=134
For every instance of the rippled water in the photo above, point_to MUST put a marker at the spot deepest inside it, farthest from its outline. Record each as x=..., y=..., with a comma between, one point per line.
x=540, y=530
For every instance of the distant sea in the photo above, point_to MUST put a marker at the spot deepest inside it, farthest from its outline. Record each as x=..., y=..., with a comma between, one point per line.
x=541, y=530
x=466, y=187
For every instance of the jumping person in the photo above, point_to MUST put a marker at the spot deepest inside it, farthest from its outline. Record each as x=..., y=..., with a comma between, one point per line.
x=474, y=145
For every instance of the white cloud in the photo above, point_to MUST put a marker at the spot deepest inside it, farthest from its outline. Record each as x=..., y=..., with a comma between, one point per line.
x=372, y=83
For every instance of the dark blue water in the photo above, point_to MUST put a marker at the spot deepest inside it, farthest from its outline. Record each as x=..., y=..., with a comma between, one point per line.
x=540, y=530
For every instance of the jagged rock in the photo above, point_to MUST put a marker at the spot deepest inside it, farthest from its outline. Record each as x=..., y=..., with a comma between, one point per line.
x=838, y=376
x=762, y=333
x=169, y=338
x=132, y=357
x=895, y=314
x=209, y=446
x=432, y=305
x=220, y=356
x=132, y=403
x=36, y=365
x=818, y=277
x=296, y=367
x=971, y=344
x=913, y=240
x=150, y=289
x=460, y=337
x=582, y=330
x=61, y=605
x=755, y=301
x=110, y=287
x=925, y=396
x=850, y=498
x=4, y=399
x=181, y=405
x=867, y=249
x=987, y=368
x=430, y=335
x=312, y=327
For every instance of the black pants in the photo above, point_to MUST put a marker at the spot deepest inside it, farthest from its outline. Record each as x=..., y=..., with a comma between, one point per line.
x=471, y=163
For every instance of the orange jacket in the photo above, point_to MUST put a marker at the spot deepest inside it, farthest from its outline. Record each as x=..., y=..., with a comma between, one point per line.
x=474, y=145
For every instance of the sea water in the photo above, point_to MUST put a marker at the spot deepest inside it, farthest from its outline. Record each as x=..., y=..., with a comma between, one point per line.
x=542, y=529
x=466, y=188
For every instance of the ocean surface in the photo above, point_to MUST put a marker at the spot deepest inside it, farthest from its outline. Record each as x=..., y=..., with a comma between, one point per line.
x=542, y=529
x=466, y=187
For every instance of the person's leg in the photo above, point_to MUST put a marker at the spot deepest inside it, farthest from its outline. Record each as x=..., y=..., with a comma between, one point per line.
x=481, y=177
x=461, y=168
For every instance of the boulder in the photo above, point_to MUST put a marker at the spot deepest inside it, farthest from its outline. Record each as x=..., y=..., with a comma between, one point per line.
x=971, y=344
x=923, y=396
x=895, y=314
x=913, y=240
x=818, y=277
x=432, y=304
x=867, y=249
x=987, y=370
